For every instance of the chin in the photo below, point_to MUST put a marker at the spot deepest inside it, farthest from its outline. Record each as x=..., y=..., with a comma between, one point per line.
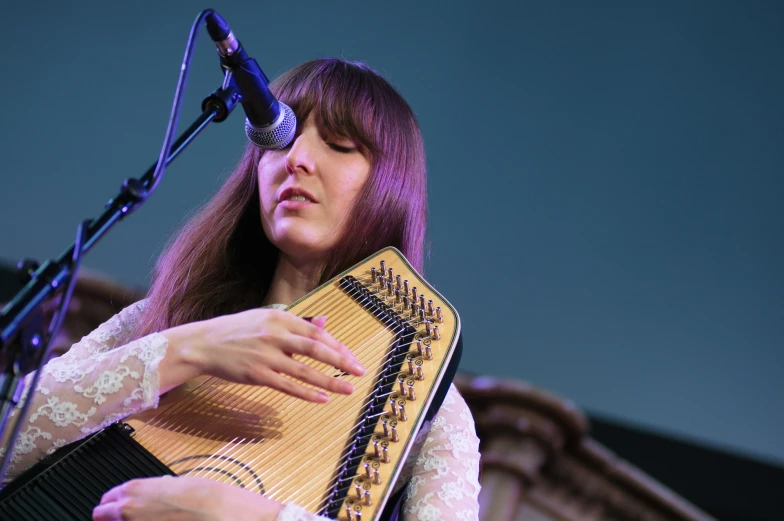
x=302, y=245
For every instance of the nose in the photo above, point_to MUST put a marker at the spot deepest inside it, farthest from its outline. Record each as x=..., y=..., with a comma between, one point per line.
x=301, y=156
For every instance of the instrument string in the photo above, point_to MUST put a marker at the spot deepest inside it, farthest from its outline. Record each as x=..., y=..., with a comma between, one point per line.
x=223, y=451
x=322, y=413
x=339, y=324
x=330, y=446
x=289, y=399
x=303, y=433
x=278, y=448
x=160, y=420
x=235, y=393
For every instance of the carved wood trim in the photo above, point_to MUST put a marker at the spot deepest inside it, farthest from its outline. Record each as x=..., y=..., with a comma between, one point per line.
x=539, y=462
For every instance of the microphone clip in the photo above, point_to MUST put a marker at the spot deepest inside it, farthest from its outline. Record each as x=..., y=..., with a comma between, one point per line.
x=223, y=99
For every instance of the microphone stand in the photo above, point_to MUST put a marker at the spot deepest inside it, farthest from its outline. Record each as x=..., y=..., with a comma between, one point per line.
x=27, y=346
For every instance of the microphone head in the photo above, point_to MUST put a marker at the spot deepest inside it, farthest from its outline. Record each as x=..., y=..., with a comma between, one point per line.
x=276, y=135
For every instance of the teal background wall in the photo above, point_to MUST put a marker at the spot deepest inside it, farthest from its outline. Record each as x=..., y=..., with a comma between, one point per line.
x=605, y=177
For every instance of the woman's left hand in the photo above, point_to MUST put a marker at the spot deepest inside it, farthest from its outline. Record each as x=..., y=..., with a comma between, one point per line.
x=183, y=498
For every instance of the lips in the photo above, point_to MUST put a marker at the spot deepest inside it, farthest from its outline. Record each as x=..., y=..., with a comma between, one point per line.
x=294, y=191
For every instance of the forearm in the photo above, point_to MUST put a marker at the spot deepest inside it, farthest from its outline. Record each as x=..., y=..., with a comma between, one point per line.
x=78, y=396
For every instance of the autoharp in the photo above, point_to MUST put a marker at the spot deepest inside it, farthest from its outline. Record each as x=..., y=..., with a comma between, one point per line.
x=340, y=459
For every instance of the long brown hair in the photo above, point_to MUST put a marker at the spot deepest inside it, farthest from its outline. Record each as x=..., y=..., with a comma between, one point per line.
x=221, y=261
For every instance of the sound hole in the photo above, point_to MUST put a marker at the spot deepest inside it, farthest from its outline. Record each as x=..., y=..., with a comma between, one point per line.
x=219, y=468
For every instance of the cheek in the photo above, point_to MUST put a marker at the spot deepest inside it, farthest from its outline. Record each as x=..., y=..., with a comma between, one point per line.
x=267, y=185
x=352, y=184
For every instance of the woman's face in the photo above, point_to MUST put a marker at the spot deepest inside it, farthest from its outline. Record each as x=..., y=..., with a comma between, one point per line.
x=307, y=190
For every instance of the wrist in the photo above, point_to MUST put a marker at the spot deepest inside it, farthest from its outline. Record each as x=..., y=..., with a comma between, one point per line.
x=183, y=360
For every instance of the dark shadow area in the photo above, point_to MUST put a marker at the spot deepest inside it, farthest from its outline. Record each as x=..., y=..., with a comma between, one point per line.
x=728, y=486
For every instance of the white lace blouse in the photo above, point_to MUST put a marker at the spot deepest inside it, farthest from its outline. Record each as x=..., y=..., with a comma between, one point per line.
x=104, y=378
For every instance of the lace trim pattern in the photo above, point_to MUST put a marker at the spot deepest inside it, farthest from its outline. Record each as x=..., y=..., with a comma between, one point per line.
x=89, y=387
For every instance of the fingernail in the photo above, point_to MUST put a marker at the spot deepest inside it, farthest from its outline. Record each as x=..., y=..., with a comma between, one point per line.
x=358, y=368
x=347, y=388
x=322, y=319
x=323, y=396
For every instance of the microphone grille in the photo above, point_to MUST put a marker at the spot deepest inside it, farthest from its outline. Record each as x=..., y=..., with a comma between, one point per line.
x=276, y=135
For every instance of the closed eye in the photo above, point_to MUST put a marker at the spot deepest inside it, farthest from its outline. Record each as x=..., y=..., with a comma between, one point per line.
x=341, y=149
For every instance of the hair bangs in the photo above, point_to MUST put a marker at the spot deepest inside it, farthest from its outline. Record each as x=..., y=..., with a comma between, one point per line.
x=341, y=97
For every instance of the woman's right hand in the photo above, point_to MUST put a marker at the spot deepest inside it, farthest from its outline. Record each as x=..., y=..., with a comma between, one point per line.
x=256, y=347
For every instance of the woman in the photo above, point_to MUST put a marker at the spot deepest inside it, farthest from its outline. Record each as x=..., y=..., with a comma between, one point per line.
x=352, y=182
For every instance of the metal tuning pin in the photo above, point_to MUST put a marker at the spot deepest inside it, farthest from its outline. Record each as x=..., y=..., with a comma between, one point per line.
x=394, y=437
x=390, y=290
x=376, y=448
x=411, y=393
x=428, y=352
x=436, y=333
x=385, y=452
x=420, y=347
x=402, y=416
x=414, y=296
x=373, y=275
x=398, y=296
x=382, y=281
x=395, y=407
x=368, y=502
x=421, y=302
x=358, y=488
x=358, y=514
x=430, y=309
x=349, y=512
x=428, y=328
x=439, y=315
x=385, y=425
x=421, y=314
x=410, y=360
x=383, y=267
x=420, y=374
x=376, y=476
x=402, y=381
x=391, y=274
x=399, y=282
x=414, y=308
x=406, y=302
x=368, y=471
x=405, y=288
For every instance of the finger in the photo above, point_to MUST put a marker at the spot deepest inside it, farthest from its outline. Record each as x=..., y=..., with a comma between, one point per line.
x=284, y=385
x=108, y=512
x=322, y=352
x=312, y=376
x=114, y=494
x=319, y=322
x=322, y=335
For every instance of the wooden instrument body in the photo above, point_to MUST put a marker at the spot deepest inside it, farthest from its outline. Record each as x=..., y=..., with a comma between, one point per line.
x=341, y=458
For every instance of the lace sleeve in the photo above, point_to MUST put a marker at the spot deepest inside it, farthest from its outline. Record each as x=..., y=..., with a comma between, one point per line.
x=98, y=381
x=444, y=482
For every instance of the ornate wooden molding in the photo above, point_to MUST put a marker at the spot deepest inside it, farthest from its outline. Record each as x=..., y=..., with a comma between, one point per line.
x=539, y=462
